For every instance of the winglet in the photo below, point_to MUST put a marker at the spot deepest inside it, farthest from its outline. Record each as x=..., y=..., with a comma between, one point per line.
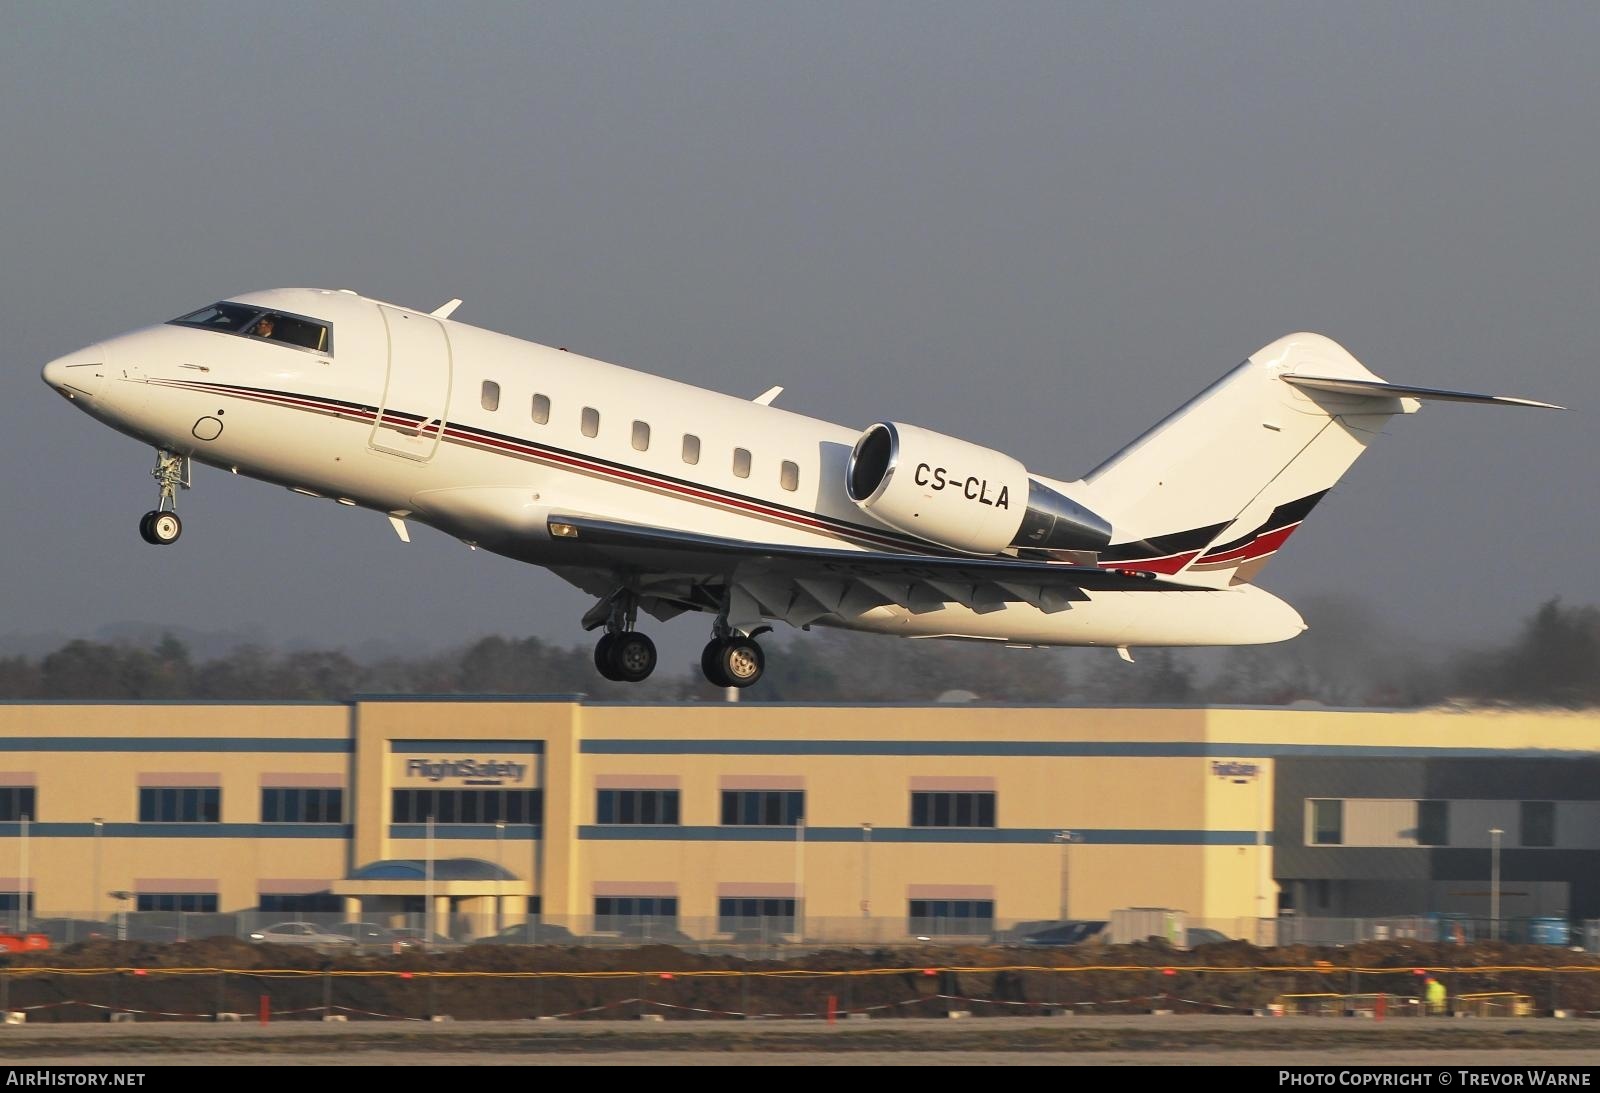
x=444, y=311
x=765, y=398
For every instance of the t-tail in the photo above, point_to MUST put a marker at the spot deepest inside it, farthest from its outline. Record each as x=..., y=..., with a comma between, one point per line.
x=1213, y=491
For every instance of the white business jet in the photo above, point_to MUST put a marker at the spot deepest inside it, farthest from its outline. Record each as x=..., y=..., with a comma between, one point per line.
x=660, y=497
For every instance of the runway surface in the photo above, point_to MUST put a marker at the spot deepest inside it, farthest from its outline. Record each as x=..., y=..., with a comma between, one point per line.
x=1143, y=1040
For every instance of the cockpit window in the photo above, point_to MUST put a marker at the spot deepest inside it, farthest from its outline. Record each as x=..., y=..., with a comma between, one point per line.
x=289, y=328
x=254, y=322
x=230, y=317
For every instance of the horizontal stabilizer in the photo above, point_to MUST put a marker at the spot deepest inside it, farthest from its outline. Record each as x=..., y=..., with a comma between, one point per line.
x=1379, y=389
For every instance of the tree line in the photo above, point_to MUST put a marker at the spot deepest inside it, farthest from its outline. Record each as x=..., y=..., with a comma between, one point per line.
x=1346, y=658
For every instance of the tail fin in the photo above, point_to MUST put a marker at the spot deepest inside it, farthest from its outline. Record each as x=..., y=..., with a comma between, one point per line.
x=1215, y=489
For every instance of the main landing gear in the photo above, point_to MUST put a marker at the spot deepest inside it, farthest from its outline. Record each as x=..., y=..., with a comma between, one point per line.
x=732, y=661
x=625, y=657
x=161, y=525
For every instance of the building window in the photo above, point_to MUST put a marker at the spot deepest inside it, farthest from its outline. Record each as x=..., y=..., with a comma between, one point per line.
x=952, y=809
x=641, y=436
x=17, y=802
x=491, y=395
x=468, y=806
x=936, y=917
x=1433, y=823
x=308, y=903
x=10, y=900
x=635, y=913
x=763, y=807
x=764, y=916
x=591, y=421
x=741, y=462
x=177, y=901
x=301, y=806
x=691, y=449
x=637, y=806
x=186, y=805
x=541, y=409
x=1538, y=823
x=789, y=475
x=1327, y=823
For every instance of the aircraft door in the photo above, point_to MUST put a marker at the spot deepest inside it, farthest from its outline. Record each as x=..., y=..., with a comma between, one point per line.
x=417, y=394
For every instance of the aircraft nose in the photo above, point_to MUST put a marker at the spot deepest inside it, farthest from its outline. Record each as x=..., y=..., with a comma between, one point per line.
x=78, y=375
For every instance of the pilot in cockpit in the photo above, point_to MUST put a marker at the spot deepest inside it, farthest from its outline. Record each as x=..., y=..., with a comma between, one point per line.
x=263, y=327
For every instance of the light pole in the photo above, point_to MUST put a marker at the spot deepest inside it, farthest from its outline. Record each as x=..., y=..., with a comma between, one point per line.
x=866, y=870
x=99, y=825
x=27, y=881
x=427, y=890
x=499, y=880
x=1494, y=882
x=1066, y=839
x=799, y=876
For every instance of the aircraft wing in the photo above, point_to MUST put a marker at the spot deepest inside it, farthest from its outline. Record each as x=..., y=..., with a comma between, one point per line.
x=802, y=585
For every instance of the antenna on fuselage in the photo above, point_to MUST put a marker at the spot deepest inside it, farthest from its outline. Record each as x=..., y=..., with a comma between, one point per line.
x=444, y=311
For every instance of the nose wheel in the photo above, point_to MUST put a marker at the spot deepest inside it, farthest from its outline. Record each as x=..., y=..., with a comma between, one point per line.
x=733, y=661
x=161, y=525
x=160, y=528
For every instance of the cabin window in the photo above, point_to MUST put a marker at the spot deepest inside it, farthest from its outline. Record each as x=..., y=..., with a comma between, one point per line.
x=741, y=462
x=789, y=475
x=641, y=436
x=491, y=395
x=691, y=448
x=591, y=421
x=541, y=409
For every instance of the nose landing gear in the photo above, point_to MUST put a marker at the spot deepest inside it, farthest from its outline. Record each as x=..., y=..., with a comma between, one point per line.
x=161, y=525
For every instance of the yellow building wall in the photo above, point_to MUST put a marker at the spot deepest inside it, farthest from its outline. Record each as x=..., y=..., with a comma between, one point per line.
x=74, y=786
x=1165, y=830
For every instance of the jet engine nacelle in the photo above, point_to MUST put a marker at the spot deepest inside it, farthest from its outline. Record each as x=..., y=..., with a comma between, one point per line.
x=963, y=496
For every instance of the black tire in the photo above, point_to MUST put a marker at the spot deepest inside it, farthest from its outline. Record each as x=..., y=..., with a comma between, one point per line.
x=710, y=663
x=602, y=656
x=632, y=657
x=161, y=528
x=741, y=662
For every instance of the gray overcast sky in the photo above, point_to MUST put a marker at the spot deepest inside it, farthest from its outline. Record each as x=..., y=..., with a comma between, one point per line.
x=1037, y=226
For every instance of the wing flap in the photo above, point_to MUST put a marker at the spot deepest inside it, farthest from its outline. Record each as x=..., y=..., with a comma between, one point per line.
x=802, y=585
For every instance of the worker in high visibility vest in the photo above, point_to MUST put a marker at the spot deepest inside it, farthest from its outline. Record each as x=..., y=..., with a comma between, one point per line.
x=1435, y=993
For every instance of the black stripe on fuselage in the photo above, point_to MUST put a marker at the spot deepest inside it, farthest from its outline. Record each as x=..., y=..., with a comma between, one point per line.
x=1291, y=512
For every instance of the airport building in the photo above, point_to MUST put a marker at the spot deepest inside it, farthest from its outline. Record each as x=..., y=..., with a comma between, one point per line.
x=845, y=823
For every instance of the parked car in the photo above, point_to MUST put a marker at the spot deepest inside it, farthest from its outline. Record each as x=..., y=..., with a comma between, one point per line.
x=66, y=931
x=415, y=938
x=301, y=933
x=529, y=933
x=1200, y=935
x=23, y=943
x=370, y=936
x=1048, y=932
x=651, y=933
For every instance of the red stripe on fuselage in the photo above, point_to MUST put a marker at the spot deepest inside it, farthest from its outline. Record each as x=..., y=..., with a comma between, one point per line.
x=554, y=457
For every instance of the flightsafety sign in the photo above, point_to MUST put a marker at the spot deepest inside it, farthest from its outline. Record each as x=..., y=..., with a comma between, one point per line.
x=422, y=771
